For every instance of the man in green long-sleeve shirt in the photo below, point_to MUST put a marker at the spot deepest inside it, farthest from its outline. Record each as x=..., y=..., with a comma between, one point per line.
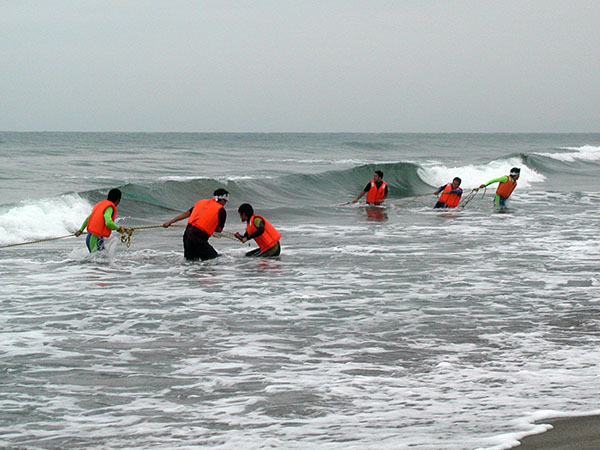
x=506, y=185
x=100, y=223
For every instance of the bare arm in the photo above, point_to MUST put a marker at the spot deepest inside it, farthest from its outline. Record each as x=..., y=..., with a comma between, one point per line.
x=181, y=216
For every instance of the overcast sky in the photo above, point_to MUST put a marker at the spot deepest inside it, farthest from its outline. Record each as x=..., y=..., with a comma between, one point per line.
x=286, y=65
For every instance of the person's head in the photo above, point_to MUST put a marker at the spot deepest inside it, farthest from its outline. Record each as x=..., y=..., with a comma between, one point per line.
x=456, y=182
x=515, y=172
x=114, y=195
x=221, y=196
x=246, y=211
x=378, y=176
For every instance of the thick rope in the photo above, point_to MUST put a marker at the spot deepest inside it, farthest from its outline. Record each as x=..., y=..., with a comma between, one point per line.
x=126, y=234
x=471, y=196
x=38, y=241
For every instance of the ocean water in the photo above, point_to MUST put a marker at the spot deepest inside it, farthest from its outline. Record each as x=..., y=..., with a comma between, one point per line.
x=394, y=327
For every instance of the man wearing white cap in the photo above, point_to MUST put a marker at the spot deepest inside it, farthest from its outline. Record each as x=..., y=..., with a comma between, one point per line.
x=506, y=185
x=206, y=217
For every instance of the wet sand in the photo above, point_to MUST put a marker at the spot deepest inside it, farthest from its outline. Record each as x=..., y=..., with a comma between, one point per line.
x=572, y=433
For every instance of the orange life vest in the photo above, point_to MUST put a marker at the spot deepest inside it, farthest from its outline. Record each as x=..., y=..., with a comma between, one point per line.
x=451, y=200
x=96, y=224
x=506, y=188
x=205, y=215
x=266, y=240
x=374, y=194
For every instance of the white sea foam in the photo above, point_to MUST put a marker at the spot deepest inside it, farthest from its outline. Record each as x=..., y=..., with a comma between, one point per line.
x=474, y=175
x=40, y=219
x=584, y=153
x=426, y=330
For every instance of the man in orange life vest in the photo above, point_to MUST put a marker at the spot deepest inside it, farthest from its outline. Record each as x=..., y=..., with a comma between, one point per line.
x=100, y=223
x=376, y=190
x=506, y=185
x=205, y=217
x=259, y=229
x=451, y=194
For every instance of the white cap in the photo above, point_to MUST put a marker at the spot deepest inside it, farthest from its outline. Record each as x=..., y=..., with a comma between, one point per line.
x=221, y=197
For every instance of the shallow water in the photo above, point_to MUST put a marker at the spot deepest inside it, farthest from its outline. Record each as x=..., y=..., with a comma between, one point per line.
x=377, y=327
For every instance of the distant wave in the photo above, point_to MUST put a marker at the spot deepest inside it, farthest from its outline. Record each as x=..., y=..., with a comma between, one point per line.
x=585, y=153
x=368, y=145
x=474, y=175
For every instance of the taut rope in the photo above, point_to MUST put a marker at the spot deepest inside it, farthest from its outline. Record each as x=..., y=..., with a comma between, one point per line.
x=125, y=235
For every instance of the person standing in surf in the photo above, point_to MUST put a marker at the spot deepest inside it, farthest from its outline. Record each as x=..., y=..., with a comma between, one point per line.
x=506, y=186
x=205, y=217
x=376, y=190
x=100, y=223
x=451, y=194
x=259, y=229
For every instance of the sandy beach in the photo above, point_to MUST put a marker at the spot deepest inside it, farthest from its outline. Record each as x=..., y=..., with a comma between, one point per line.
x=572, y=433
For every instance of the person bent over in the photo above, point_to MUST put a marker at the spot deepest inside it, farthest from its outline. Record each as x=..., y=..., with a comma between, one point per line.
x=506, y=185
x=205, y=217
x=259, y=229
x=100, y=223
x=451, y=194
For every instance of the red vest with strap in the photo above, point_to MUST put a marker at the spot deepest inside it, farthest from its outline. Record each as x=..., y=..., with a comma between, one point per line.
x=506, y=188
x=205, y=215
x=451, y=200
x=374, y=194
x=266, y=240
x=96, y=224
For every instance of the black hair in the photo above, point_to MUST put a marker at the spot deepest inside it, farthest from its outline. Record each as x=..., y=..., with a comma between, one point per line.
x=247, y=209
x=114, y=195
x=515, y=170
x=457, y=179
x=380, y=173
x=220, y=191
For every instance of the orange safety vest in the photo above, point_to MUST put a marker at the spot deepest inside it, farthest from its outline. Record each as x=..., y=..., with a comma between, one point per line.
x=374, y=194
x=205, y=215
x=451, y=200
x=266, y=240
x=96, y=224
x=506, y=188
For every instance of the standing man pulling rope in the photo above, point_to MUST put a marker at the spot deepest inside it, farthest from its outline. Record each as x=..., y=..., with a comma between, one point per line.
x=100, y=223
x=506, y=185
x=205, y=218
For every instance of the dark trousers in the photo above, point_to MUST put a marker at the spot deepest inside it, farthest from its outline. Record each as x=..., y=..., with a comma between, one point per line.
x=273, y=251
x=196, y=246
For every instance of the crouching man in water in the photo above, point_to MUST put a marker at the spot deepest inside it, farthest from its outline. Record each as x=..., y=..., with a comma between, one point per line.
x=205, y=217
x=506, y=185
x=257, y=228
x=100, y=223
x=451, y=194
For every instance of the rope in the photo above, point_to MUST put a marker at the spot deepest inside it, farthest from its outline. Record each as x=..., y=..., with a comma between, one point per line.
x=126, y=234
x=38, y=241
x=471, y=196
x=226, y=234
x=414, y=198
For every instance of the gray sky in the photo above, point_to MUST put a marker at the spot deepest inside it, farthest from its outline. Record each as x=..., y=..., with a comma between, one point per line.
x=286, y=65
